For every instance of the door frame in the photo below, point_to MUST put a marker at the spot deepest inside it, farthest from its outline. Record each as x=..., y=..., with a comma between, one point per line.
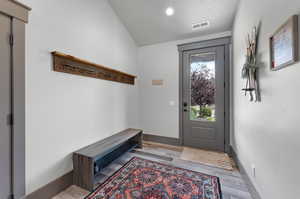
x=19, y=17
x=226, y=42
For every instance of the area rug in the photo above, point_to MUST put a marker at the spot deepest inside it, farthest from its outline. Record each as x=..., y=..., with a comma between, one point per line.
x=145, y=179
x=210, y=158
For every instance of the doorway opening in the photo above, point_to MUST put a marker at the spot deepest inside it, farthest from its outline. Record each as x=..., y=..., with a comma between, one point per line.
x=204, y=94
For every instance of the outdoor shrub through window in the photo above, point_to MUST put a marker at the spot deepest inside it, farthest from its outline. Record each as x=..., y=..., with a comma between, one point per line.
x=203, y=87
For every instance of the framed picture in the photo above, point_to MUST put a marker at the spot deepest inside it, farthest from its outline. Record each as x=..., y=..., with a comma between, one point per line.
x=284, y=46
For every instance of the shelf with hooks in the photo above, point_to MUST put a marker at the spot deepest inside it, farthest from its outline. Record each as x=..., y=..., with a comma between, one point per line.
x=73, y=65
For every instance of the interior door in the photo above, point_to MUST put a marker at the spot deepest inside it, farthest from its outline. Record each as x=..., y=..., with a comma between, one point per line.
x=203, y=98
x=5, y=140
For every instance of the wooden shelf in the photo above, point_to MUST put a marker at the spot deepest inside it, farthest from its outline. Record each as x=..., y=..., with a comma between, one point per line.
x=73, y=65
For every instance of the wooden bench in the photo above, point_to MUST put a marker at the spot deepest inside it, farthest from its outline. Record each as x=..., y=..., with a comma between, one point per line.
x=89, y=161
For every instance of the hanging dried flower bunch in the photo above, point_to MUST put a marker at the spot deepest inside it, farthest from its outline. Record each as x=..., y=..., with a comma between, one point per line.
x=250, y=69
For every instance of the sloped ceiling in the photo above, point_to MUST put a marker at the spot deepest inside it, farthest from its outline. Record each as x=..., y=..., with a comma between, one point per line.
x=148, y=24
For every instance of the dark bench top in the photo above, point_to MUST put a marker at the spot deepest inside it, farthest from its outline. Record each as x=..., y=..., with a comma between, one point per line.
x=104, y=146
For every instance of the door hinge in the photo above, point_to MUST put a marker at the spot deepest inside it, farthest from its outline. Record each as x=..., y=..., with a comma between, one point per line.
x=11, y=39
x=10, y=119
x=11, y=196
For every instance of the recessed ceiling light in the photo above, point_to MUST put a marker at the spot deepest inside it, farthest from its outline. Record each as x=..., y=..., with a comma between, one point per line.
x=170, y=11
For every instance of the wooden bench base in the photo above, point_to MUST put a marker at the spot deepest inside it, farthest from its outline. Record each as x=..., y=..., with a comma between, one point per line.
x=89, y=161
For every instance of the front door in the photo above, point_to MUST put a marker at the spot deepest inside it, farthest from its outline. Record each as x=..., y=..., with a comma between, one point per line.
x=5, y=138
x=203, y=98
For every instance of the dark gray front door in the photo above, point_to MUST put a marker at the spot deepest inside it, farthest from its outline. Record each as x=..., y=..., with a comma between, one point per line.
x=5, y=155
x=203, y=98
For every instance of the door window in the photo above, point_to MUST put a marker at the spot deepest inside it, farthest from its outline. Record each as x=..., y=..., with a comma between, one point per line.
x=202, y=87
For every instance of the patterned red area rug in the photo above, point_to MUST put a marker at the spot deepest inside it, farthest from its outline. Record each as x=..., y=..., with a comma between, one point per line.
x=145, y=179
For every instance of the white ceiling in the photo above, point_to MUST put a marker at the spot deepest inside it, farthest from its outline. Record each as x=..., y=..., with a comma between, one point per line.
x=148, y=24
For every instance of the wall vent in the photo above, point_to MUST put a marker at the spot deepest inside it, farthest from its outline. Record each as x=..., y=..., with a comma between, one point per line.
x=200, y=25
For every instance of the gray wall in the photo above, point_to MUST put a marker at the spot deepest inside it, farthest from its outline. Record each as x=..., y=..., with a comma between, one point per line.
x=267, y=134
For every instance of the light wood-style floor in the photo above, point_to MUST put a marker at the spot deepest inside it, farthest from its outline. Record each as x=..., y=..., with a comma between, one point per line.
x=210, y=158
x=232, y=184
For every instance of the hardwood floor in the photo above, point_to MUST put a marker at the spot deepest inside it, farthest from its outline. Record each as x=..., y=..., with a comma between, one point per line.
x=232, y=184
x=73, y=192
x=210, y=158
